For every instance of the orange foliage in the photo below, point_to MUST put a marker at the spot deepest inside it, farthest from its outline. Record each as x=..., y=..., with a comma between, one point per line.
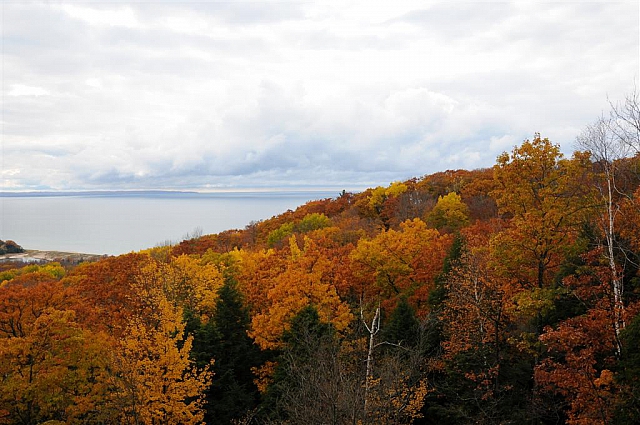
x=397, y=263
x=573, y=370
x=102, y=293
x=24, y=299
x=305, y=280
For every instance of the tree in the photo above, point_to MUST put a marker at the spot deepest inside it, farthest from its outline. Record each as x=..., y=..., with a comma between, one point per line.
x=402, y=327
x=544, y=195
x=449, y=213
x=10, y=247
x=54, y=370
x=400, y=263
x=475, y=322
x=24, y=299
x=625, y=120
x=305, y=387
x=102, y=293
x=583, y=350
x=607, y=150
x=305, y=280
x=628, y=375
x=187, y=283
x=224, y=338
x=381, y=202
x=157, y=381
x=575, y=370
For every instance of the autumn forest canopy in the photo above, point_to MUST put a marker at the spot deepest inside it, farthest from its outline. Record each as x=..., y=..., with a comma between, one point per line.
x=503, y=295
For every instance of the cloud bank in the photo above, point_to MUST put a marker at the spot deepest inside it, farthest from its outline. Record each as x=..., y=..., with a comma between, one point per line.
x=211, y=95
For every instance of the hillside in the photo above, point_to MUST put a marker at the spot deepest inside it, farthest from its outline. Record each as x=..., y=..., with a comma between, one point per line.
x=500, y=295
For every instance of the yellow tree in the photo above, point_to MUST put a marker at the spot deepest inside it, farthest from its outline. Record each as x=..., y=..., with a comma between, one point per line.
x=158, y=383
x=54, y=370
x=306, y=280
x=544, y=196
x=256, y=272
x=403, y=262
x=449, y=213
x=189, y=283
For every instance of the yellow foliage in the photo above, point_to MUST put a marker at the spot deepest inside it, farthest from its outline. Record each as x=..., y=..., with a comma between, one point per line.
x=529, y=303
x=380, y=194
x=388, y=401
x=264, y=375
x=185, y=281
x=450, y=212
x=400, y=262
x=396, y=188
x=56, y=369
x=158, y=382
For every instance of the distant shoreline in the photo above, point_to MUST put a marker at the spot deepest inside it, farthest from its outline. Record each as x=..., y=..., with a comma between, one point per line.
x=32, y=255
x=95, y=193
x=209, y=192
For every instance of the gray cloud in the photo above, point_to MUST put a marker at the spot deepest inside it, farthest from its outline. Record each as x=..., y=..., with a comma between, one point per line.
x=218, y=94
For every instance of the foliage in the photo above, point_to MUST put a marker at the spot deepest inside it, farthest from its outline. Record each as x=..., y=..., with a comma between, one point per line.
x=224, y=339
x=10, y=247
x=309, y=222
x=545, y=197
x=397, y=263
x=502, y=295
x=450, y=213
x=304, y=280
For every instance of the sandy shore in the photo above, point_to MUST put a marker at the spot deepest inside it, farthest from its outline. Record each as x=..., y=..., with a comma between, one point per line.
x=34, y=255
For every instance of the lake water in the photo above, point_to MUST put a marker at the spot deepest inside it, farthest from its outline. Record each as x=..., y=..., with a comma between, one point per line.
x=120, y=223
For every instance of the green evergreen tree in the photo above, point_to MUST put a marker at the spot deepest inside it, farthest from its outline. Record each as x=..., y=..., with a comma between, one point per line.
x=628, y=374
x=298, y=375
x=224, y=338
x=439, y=293
x=402, y=327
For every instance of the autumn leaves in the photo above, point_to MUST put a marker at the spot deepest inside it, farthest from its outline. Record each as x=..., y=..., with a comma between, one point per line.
x=502, y=295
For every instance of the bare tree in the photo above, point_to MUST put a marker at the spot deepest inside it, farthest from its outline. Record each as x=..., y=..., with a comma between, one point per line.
x=608, y=146
x=625, y=120
x=373, y=331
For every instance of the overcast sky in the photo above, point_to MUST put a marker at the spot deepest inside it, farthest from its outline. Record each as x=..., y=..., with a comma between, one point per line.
x=215, y=95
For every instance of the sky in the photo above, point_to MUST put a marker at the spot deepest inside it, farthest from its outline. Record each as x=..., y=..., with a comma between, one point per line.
x=214, y=95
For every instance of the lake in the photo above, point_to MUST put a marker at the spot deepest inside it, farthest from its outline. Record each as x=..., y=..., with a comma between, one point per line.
x=117, y=223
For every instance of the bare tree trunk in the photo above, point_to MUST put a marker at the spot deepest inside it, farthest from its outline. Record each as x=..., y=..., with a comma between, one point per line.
x=373, y=330
x=607, y=144
x=616, y=278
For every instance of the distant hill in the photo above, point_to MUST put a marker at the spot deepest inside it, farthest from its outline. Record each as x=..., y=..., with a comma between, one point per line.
x=10, y=247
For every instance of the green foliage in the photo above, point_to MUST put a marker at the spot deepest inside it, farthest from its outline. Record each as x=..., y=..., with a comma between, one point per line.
x=313, y=221
x=302, y=341
x=439, y=292
x=10, y=247
x=280, y=234
x=628, y=374
x=54, y=270
x=8, y=275
x=402, y=327
x=309, y=222
x=224, y=339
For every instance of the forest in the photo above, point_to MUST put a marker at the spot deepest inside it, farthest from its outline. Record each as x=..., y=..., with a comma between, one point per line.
x=505, y=295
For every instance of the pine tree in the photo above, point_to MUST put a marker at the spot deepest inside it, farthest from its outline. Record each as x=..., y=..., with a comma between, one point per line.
x=224, y=338
x=295, y=388
x=402, y=327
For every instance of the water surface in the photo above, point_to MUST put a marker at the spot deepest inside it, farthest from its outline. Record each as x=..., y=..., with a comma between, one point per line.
x=119, y=223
